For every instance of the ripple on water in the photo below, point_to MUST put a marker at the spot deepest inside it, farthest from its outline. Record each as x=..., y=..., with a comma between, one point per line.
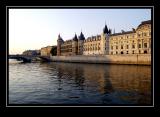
x=67, y=83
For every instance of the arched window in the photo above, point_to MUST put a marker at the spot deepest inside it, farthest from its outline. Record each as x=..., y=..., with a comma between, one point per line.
x=145, y=51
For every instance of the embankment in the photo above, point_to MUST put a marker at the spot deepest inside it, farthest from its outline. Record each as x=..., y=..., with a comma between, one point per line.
x=141, y=59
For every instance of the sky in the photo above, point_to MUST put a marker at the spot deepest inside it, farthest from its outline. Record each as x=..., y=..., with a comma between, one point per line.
x=31, y=29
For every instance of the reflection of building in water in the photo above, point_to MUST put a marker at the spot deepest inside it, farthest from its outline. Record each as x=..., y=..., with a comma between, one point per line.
x=96, y=78
x=136, y=41
x=71, y=72
x=109, y=78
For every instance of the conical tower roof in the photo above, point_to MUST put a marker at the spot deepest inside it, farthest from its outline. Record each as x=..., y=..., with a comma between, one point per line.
x=81, y=37
x=75, y=38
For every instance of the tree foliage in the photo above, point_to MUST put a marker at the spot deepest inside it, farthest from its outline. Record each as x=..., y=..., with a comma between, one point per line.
x=53, y=51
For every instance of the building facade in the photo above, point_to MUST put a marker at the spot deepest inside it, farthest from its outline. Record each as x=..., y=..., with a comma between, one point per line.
x=46, y=51
x=137, y=41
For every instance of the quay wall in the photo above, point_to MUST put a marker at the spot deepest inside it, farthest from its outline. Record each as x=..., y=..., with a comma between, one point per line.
x=139, y=59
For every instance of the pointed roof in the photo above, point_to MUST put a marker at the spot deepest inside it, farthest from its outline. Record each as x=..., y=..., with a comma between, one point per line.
x=75, y=38
x=81, y=37
x=59, y=37
x=105, y=29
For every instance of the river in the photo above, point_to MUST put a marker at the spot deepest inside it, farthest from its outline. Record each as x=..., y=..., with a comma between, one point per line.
x=76, y=83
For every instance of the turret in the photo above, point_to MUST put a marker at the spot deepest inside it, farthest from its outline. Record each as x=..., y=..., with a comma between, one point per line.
x=105, y=40
x=80, y=43
x=59, y=42
x=75, y=45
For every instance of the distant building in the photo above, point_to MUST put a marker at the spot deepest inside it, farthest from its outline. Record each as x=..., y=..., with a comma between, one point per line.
x=46, y=51
x=137, y=41
x=31, y=52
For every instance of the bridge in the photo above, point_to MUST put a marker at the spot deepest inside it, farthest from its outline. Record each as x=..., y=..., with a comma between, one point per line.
x=29, y=58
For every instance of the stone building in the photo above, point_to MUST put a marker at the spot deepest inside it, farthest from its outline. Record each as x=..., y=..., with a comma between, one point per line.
x=70, y=47
x=45, y=51
x=137, y=41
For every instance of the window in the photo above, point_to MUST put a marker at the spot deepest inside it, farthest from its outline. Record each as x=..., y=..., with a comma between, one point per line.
x=111, y=52
x=139, y=51
x=111, y=47
x=127, y=46
x=116, y=52
x=133, y=52
x=121, y=52
x=121, y=46
x=145, y=45
x=116, y=47
x=145, y=52
x=139, y=46
x=127, y=52
x=133, y=46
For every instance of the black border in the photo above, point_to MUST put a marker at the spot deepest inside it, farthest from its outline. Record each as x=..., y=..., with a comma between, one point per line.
x=80, y=105
x=117, y=3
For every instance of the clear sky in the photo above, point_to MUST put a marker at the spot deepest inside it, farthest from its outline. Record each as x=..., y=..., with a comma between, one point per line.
x=36, y=28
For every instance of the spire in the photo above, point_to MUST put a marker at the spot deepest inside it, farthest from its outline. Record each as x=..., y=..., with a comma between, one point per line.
x=81, y=37
x=110, y=31
x=59, y=37
x=105, y=29
x=75, y=37
x=114, y=30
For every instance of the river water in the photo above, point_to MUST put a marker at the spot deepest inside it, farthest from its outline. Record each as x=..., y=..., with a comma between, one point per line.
x=76, y=83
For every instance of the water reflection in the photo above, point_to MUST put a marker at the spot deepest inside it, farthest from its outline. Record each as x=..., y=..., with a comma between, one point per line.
x=71, y=83
x=109, y=79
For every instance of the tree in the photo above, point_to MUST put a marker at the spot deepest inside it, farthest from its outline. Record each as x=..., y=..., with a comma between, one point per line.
x=54, y=51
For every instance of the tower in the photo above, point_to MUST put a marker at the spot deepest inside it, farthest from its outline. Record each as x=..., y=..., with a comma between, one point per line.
x=75, y=45
x=105, y=40
x=80, y=43
x=59, y=42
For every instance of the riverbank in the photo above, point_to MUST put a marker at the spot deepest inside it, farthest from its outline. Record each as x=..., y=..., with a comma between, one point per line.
x=141, y=59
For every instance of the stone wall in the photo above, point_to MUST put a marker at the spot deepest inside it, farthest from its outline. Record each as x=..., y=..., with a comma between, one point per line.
x=142, y=59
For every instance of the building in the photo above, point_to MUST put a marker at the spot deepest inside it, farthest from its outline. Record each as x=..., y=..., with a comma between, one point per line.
x=31, y=52
x=136, y=41
x=45, y=51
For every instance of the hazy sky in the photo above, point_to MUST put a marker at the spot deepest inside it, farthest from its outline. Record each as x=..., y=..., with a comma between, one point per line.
x=36, y=28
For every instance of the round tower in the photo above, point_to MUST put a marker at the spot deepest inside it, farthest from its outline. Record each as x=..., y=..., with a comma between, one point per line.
x=75, y=45
x=105, y=40
x=59, y=42
x=80, y=43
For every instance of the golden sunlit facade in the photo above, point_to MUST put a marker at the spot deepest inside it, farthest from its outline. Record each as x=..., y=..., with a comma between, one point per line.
x=137, y=41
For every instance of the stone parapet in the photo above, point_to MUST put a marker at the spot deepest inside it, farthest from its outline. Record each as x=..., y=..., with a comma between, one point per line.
x=139, y=59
